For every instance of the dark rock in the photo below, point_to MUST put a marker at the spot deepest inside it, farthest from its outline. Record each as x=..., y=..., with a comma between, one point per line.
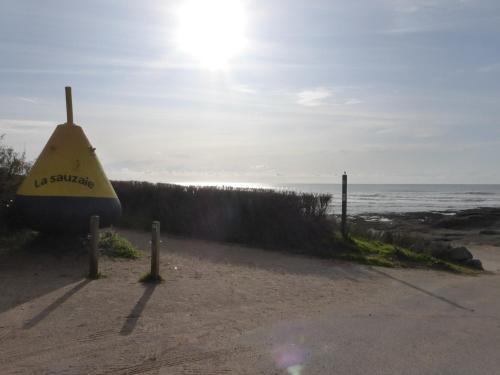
x=444, y=239
x=459, y=254
x=420, y=246
x=387, y=237
x=489, y=232
x=439, y=249
x=373, y=233
x=474, y=218
x=474, y=263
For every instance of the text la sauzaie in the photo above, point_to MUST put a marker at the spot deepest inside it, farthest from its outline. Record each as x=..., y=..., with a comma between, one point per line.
x=85, y=181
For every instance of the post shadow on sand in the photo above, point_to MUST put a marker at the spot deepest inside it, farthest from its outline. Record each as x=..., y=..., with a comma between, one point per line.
x=440, y=298
x=54, y=305
x=133, y=317
x=267, y=259
x=29, y=273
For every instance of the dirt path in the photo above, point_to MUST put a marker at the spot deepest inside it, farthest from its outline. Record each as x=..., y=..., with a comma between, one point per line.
x=231, y=309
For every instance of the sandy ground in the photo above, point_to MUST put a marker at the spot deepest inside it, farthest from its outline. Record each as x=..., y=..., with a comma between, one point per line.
x=236, y=310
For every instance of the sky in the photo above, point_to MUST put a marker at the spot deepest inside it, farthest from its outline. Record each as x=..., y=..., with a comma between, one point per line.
x=263, y=91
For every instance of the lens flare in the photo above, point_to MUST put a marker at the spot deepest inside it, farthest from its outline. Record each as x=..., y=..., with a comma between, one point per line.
x=290, y=356
x=295, y=370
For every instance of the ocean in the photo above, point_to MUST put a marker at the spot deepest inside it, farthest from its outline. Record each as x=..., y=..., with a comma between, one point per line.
x=363, y=198
x=368, y=198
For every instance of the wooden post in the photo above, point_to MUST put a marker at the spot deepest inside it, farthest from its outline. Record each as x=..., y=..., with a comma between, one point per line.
x=94, y=241
x=155, y=251
x=344, y=205
x=69, y=106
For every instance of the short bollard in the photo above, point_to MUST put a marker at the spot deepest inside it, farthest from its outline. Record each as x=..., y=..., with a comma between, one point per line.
x=155, y=251
x=93, y=249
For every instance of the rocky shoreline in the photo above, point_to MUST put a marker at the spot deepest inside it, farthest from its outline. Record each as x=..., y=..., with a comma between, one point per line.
x=446, y=235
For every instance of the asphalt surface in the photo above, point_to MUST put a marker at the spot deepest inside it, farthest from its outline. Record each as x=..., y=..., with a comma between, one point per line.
x=425, y=323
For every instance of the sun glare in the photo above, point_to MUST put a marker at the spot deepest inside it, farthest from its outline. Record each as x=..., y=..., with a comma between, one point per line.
x=212, y=32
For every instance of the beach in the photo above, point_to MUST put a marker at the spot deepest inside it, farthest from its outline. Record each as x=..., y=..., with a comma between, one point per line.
x=233, y=309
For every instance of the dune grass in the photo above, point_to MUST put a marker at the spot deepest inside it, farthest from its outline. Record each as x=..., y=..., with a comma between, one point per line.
x=116, y=246
x=149, y=278
x=255, y=217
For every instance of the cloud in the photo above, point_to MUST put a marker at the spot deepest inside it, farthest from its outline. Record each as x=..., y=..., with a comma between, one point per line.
x=28, y=100
x=489, y=68
x=353, y=101
x=409, y=9
x=244, y=89
x=313, y=97
x=24, y=126
x=259, y=167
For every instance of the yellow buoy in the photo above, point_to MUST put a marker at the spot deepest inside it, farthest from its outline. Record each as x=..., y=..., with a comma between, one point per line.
x=67, y=184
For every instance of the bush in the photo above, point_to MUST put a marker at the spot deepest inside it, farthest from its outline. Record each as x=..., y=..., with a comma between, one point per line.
x=149, y=278
x=250, y=216
x=13, y=166
x=116, y=246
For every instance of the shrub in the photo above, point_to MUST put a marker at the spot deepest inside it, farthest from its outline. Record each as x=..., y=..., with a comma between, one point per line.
x=149, y=278
x=116, y=246
x=13, y=166
x=250, y=216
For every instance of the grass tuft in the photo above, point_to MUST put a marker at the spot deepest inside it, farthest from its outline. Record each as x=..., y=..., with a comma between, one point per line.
x=376, y=253
x=97, y=277
x=16, y=240
x=149, y=278
x=116, y=246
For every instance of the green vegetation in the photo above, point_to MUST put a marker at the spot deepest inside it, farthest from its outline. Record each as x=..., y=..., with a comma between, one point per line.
x=110, y=243
x=264, y=218
x=376, y=253
x=16, y=240
x=149, y=278
x=56, y=244
x=116, y=246
x=286, y=221
x=98, y=276
x=13, y=166
x=282, y=220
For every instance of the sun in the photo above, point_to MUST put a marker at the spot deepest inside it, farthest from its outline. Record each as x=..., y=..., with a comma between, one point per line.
x=212, y=31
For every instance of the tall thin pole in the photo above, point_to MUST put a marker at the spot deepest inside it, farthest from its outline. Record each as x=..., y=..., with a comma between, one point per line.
x=155, y=251
x=344, y=204
x=93, y=250
x=69, y=106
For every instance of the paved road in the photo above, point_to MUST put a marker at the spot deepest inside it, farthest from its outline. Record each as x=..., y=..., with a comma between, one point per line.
x=425, y=323
x=229, y=309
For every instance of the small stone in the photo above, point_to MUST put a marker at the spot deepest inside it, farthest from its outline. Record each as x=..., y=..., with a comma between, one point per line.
x=387, y=237
x=474, y=263
x=459, y=254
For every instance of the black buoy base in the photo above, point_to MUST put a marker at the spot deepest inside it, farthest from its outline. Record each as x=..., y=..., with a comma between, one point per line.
x=52, y=214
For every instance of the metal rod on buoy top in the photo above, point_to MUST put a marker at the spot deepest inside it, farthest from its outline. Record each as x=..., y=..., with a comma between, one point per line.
x=344, y=205
x=69, y=106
